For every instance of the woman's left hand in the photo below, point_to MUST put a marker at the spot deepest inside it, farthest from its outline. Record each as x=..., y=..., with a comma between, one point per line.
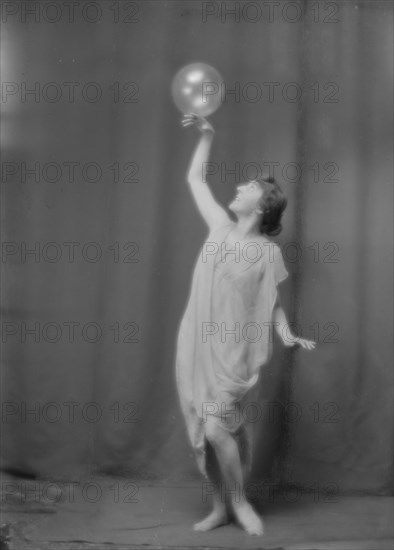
x=296, y=341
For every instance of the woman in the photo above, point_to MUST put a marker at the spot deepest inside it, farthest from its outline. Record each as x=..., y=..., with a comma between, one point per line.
x=225, y=336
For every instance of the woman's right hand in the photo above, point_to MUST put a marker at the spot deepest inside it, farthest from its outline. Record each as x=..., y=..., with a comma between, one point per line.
x=198, y=121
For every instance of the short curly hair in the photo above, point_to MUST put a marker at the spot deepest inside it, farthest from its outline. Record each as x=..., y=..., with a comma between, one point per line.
x=273, y=204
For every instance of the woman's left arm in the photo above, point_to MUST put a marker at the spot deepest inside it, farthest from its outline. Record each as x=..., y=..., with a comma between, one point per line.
x=282, y=328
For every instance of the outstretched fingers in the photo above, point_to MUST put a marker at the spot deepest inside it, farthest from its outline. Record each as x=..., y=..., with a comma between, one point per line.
x=306, y=344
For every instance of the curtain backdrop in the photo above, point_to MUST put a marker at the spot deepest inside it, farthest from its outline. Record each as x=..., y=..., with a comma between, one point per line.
x=89, y=321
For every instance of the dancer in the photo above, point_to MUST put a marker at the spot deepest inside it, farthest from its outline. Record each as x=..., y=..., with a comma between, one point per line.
x=225, y=335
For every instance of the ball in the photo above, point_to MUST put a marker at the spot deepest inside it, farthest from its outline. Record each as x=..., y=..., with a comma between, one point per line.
x=197, y=88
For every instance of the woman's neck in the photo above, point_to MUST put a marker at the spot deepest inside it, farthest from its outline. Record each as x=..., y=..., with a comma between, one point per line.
x=246, y=228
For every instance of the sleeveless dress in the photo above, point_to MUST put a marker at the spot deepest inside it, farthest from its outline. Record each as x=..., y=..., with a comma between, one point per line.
x=225, y=337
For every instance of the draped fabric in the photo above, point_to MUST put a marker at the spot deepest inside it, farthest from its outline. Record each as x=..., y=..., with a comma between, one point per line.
x=100, y=234
x=225, y=337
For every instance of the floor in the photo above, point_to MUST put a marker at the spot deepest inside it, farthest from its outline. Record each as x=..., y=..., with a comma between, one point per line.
x=119, y=514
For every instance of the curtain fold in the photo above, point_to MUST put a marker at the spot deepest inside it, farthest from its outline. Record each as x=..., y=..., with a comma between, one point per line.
x=105, y=399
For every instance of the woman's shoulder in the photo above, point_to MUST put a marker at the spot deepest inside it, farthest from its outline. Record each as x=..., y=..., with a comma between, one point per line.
x=268, y=245
x=273, y=260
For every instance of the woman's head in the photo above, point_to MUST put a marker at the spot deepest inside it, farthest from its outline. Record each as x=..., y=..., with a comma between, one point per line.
x=273, y=203
x=263, y=198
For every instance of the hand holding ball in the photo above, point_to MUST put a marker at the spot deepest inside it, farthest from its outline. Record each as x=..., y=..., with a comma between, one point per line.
x=196, y=88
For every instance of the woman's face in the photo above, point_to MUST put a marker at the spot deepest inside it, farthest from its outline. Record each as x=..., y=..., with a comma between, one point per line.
x=247, y=199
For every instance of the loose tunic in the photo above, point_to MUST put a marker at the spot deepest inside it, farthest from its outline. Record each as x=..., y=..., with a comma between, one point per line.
x=225, y=336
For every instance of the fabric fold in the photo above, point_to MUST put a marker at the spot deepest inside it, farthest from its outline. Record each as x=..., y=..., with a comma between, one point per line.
x=225, y=336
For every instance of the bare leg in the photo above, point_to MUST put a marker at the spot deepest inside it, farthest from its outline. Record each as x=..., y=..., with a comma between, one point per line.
x=219, y=515
x=226, y=450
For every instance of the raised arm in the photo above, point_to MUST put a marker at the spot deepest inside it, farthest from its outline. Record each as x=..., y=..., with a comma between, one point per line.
x=209, y=208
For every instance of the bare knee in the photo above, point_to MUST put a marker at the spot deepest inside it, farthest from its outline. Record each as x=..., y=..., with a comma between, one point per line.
x=215, y=434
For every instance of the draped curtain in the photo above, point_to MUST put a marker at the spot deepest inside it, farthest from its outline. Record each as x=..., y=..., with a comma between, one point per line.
x=100, y=233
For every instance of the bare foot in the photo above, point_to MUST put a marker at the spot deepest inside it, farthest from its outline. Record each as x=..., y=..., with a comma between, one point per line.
x=248, y=518
x=215, y=519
